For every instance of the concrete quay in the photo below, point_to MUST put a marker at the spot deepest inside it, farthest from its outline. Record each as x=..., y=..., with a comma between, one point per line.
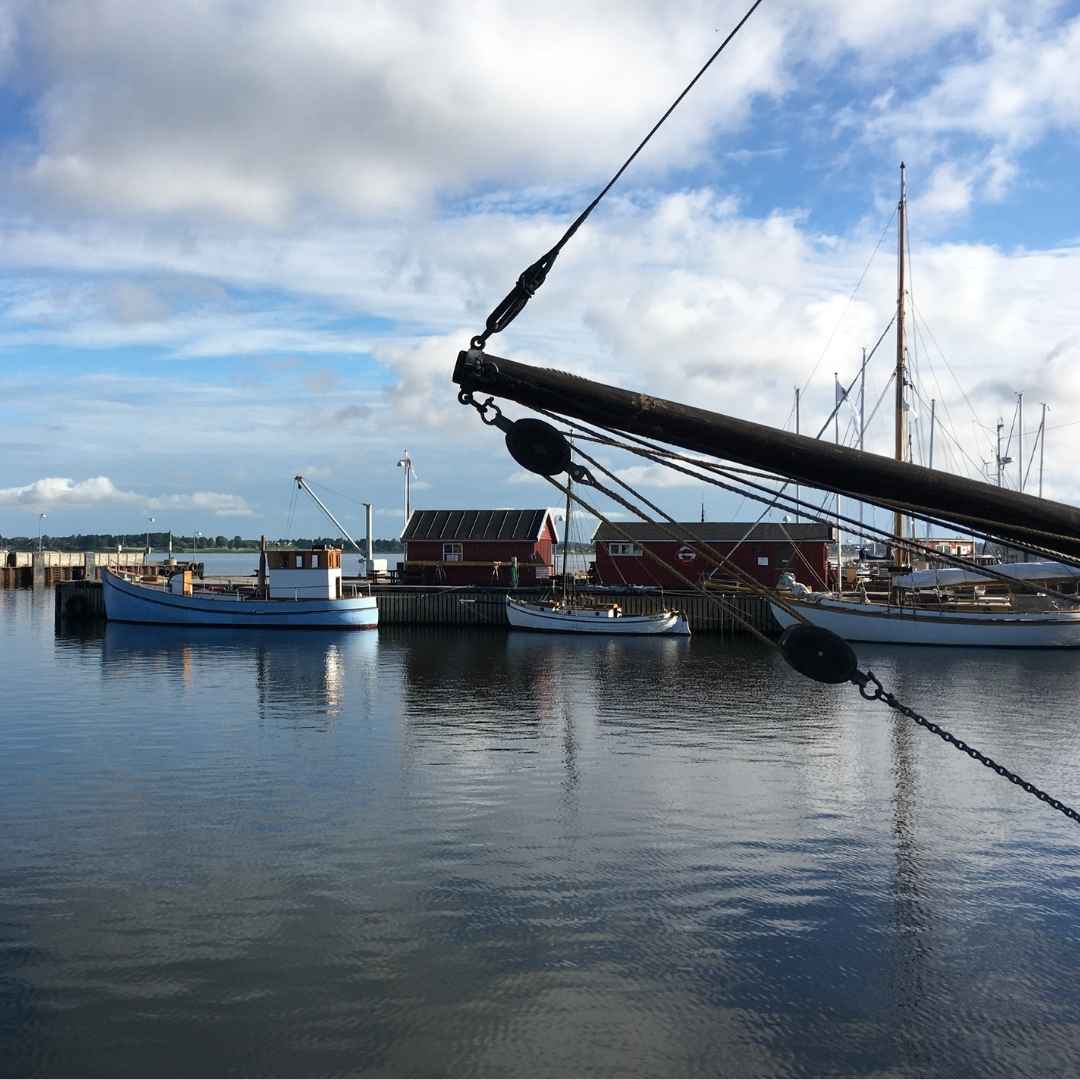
x=79, y=601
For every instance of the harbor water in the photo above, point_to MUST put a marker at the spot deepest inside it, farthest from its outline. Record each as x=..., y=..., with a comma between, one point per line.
x=475, y=852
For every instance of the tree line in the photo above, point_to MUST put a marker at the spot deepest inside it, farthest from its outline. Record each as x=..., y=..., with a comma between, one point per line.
x=159, y=541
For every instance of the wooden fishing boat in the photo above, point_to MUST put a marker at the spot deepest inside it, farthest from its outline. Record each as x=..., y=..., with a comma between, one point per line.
x=302, y=590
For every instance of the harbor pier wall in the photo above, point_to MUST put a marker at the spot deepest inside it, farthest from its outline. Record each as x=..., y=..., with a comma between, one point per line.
x=404, y=606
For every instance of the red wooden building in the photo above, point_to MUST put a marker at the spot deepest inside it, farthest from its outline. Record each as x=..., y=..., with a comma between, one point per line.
x=764, y=550
x=479, y=547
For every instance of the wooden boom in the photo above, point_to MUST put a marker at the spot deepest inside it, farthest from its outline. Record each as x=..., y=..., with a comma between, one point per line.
x=873, y=478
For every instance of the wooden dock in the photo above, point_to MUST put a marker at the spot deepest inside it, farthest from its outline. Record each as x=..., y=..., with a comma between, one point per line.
x=79, y=601
x=42, y=569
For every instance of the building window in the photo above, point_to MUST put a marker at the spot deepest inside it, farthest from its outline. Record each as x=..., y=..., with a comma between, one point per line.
x=315, y=561
x=451, y=552
x=299, y=562
x=624, y=549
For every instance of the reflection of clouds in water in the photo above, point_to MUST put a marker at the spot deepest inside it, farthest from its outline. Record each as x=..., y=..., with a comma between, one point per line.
x=514, y=852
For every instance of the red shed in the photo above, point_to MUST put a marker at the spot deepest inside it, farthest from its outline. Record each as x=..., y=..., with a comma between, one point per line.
x=479, y=547
x=764, y=550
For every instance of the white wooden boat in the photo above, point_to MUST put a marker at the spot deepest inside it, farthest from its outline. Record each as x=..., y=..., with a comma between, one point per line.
x=304, y=591
x=567, y=618
x=965, y=625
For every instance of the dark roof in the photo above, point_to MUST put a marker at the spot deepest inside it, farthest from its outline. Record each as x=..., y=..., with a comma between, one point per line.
x=475, y=525
x=713, y=532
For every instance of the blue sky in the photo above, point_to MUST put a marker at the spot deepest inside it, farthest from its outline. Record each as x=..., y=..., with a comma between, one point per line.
x=242, y=241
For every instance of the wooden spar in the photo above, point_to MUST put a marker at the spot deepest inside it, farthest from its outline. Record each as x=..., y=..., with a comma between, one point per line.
x=1022, y=518
x=900, y=556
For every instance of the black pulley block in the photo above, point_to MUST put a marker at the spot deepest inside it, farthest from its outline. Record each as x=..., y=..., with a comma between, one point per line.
x=538, y=447
x=818, y=653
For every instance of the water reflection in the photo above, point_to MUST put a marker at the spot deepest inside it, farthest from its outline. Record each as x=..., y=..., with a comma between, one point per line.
x=447, y=851
x=288, y=669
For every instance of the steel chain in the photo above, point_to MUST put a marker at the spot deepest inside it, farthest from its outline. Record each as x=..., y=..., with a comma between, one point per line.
x=878, y=693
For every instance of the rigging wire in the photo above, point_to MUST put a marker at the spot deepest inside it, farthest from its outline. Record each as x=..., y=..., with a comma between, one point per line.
x=533, y=276
x=843, y=314
x=658, y=455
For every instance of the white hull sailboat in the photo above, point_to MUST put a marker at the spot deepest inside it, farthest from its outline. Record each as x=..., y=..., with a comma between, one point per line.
x=570, y=615
x=568, y=619
x=912, y=625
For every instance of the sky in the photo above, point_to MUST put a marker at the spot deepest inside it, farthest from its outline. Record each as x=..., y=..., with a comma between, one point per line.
x=244, y=240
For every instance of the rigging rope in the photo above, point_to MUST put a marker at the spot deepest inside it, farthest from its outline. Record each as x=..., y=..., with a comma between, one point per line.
x=814, y=652
x=843, y=314
x=532, y=277
x=660, y=456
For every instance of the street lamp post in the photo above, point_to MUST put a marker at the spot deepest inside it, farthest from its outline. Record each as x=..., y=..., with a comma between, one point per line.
x=406, y=463
x=41, y=518
x=149, y=522
x=197, y=535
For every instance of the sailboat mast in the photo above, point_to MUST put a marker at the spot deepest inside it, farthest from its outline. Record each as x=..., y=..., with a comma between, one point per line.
x=566, y=526
x=797, y=432
x=899, y=554
x=862, y=418
x=1042, y=447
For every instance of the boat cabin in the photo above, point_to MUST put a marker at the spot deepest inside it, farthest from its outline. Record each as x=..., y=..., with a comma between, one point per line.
x=304, y=573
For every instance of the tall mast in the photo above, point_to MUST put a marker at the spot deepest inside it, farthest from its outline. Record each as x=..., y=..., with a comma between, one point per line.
x=838, y=393
x=930, y=463
x=566, y=526
x=796, y=432
x=1020, y=441
x=862, y=417
x=900, y=556
x=1042, y=446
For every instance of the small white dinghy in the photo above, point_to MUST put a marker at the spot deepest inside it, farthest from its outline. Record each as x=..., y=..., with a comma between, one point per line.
x=566, y=618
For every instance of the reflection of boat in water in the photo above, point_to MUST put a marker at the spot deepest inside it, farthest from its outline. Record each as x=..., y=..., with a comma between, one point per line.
x=566, y=617
x=287, y=669
x=304, y=589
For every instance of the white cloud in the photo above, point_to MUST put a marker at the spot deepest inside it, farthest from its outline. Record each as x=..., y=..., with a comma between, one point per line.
x=655, y=476
x=56, y=492
x=289, y=179
x=948, y=192
x=263, y=112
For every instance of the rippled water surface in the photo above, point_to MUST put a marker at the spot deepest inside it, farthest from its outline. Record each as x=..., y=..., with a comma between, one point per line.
x=438, y=852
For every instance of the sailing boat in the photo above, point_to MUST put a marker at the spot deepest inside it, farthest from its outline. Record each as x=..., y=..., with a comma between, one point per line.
x=942, y=607
x=568, y=616
x=921, y=612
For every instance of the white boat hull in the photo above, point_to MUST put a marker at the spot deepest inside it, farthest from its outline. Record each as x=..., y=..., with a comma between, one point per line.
x=126, y=601
x=889, y=624
x=543, y=617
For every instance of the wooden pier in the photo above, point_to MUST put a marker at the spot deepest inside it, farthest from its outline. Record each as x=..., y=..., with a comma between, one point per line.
x=78, y=601
x=41, y=569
